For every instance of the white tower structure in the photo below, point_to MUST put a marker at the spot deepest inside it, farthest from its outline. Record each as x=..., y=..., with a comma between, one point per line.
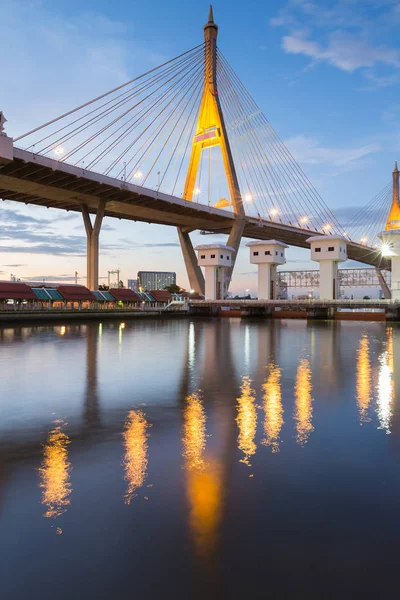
x=267, y=255
x=6, y=143
x=328, y=250
x=390, y=239
x=217, y=260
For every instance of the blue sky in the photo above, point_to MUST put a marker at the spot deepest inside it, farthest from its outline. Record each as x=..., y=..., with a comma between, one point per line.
x=325, y=74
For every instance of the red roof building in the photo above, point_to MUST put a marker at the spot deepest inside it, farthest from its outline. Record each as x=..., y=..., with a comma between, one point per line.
x=74, y=293
x=9, y=290
x=124, y=295
x=161, y=295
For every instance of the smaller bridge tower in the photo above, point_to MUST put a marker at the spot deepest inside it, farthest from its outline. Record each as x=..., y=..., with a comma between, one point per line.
x=390, y=238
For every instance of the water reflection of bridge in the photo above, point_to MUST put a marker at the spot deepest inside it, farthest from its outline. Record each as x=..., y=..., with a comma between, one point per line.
x=214, y=357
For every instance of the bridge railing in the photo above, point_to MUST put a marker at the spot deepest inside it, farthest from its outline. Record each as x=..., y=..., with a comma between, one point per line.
x=305, y=302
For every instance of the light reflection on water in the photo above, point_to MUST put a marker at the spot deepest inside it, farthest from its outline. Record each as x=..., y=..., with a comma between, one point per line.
x=194, y=433
x=55, y=472
x=273, y=408
x=386, y=384
x=247, y=421
x=135, y=458
x=363, y=379
x=204, y=511
x=303, y=411
x=203, y=478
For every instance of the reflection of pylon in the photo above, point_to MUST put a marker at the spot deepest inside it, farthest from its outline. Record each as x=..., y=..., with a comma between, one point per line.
x=393, y=221
x=211, y=129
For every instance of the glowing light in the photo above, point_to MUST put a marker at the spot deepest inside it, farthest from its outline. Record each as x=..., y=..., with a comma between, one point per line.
x=274, y=212
x=304, y=220
x=363, y=240
x=55, y=472
x=59, y=150
x=196, y=191
x=386, y=250
x=137, y=175
x=248, y=198
x=363, y=379
x=204, y=489
x=247, y=421
x=194, y=433
x=135, y=459
x=63, y=329
x=192, y=291
x=327, y=227
x=273, y=408
x=386, y=394
x=122, y=325
x=303, y=402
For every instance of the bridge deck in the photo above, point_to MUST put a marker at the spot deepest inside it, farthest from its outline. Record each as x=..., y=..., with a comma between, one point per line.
x=35, y=179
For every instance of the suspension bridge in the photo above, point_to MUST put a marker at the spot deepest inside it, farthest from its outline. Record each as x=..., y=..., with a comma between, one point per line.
x=183, y=145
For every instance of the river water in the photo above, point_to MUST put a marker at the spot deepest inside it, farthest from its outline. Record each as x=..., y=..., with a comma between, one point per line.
x=200, y=459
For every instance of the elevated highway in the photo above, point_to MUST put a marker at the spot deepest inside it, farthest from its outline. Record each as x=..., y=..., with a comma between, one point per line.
x=34, y=179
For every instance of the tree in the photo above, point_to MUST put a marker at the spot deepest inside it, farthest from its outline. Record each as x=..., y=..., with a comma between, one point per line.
x=173, y=289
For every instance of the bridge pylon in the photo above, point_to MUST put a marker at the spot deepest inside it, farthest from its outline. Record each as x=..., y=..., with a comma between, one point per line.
x=211, y=131
x=390, y=237
x=393, y=220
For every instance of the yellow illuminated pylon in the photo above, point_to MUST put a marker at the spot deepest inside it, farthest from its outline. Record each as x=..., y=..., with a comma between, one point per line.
x=210, y=130
x=393, y=221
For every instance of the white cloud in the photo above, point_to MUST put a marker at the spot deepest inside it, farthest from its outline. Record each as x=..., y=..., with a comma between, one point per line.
x=307, y=150
x=346, y=51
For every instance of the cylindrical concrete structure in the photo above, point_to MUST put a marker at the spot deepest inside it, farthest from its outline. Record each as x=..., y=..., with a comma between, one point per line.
x=391, y=249
x=217, y=259
x=328, y=251
x=267, y=255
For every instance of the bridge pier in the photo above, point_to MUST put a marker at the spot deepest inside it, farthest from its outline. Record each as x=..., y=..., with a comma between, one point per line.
x=267, y=255
x=92, y=235
x=216, y=258
x=195, y=276
x=328, y=251
x=235, y=237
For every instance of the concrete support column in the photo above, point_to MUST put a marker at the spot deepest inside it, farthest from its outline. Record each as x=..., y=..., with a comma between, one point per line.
x=267, y=255
x=195, y=276
x=235, y=237
x=267, y=281
x=396, y=278
x=390, y=239
x=328, y=251
x=217, y=259
x=211, y=283
x=92, y=234
x=328, y=280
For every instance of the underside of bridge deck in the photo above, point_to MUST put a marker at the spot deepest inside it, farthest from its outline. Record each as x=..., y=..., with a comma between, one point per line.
x=34, y=179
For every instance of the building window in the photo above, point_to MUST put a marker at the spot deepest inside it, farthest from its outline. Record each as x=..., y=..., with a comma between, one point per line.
x=212, y=256
x=228, y=257
x=221, y=255
x=202, y=256
x=317, y=249
x=281, y=253
x=268, y=253
x=255, y=253
x=276, y=253
x=331, y=248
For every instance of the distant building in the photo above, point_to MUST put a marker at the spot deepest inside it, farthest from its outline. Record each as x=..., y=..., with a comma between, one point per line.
x=156, y=280
x=133, y=284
